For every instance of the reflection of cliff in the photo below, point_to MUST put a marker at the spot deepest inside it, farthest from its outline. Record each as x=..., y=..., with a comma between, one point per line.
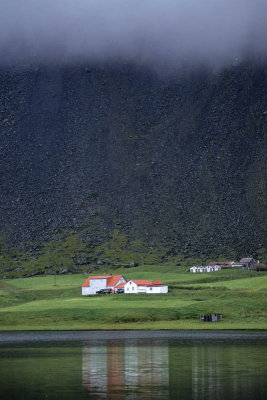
x=221, y=372
x=170, y=370
x=207, y=372
x=132, y=371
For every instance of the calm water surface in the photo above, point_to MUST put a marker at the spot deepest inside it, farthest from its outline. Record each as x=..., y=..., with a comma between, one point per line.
x=140, y=368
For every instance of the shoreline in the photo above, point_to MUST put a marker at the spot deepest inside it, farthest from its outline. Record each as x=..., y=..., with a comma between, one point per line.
x=23, y=337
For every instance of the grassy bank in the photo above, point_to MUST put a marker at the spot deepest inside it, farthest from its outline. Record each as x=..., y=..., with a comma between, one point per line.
x=45, y=303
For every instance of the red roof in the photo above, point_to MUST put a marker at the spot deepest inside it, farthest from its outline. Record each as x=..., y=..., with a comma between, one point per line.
x=246, y=260
x=121, y=285
x=143, y=282
x=86, y=283
x=220, y=263
x=157, y=283
x=111, y=280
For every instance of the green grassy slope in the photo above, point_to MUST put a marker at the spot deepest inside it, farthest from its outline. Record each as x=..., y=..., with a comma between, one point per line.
x=46, y=303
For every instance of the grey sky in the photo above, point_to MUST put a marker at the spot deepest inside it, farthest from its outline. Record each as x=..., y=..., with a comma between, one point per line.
x=213, y=31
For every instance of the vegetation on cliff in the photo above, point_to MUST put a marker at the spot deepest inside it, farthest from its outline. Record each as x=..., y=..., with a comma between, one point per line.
x=175, y=164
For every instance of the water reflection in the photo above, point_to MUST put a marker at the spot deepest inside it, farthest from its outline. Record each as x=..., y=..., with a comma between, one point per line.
x=130, y=369
x=164, y=369
x=218, y=372
x=126, y=371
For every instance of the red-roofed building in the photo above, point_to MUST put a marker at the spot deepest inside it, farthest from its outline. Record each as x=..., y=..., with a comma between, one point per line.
x=94, y=283
x=249, y=263
x=222, y=264
x=144, y=286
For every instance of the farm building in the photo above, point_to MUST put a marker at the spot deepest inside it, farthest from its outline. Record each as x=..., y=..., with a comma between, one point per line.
x=239, y=265
x=248, y=263
x=145, y=286
x=197, y=269
x=94, y=283
x=216, y=267
x=222, y=264
x=208, y=268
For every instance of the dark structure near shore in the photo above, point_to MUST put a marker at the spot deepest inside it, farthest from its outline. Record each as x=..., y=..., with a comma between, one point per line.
x=210, y=317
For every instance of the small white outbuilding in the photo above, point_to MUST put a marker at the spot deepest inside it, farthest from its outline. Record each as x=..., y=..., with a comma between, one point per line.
x=209, y=268
x=144, y=286
x=216, y=267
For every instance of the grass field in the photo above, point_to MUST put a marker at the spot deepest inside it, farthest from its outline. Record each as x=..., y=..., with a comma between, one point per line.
x=53, y=303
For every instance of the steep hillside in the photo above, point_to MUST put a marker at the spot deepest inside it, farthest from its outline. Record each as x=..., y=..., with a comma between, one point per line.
x=177, y=161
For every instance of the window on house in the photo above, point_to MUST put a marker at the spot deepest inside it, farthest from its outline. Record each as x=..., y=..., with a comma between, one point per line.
x=130, y=283
x=132, y=288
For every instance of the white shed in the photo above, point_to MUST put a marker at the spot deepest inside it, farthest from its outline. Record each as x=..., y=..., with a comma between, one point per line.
x=209, y=268
x=144, y=286
x=193, y=269
x=157, y=289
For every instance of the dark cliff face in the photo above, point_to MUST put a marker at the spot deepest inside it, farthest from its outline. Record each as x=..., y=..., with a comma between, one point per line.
x=178, y=161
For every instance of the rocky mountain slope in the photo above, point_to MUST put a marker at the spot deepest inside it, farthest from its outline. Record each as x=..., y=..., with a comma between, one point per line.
x=177, y=161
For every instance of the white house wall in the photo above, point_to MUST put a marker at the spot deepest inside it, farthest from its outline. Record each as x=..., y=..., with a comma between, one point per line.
x=86, y=291
x=156, y=289
x=95, y=285
x=209, y=269
x=164, y=289
x=130, y=287
x=141, y=289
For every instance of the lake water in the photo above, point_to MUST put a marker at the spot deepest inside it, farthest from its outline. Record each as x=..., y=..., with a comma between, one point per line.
x=135, y=367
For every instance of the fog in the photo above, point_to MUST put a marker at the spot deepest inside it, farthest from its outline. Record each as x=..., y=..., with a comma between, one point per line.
x=147, y=31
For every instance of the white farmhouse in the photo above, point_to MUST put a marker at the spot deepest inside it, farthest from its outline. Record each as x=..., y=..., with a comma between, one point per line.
x=95, y=283
x=144, y=286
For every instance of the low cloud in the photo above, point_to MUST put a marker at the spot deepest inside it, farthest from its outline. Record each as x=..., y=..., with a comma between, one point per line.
x=147, y=31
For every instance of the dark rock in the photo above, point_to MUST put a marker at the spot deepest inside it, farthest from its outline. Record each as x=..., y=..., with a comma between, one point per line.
x=63, y=271
x=133, y=264
x=178, y=161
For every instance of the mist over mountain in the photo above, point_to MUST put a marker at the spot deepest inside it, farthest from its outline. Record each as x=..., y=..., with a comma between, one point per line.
x=151, y=32
x=96, y=137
